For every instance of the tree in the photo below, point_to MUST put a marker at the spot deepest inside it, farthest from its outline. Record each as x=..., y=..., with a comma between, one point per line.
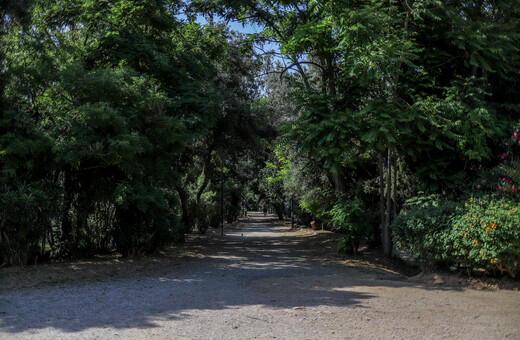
x=116, y=94
x=373, y=89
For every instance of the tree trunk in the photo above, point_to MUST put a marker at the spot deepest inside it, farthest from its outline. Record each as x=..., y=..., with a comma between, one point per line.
x=394, y=201
x=279, y=211
x=186, y=219
x=331, y=79
x=201, y=189
x=66, y=224
x=340, y=183
x=381, y=196
x=207, y=171
x=387, y=240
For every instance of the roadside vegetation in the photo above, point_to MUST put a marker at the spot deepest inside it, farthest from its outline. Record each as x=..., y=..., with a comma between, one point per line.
x=127, y=124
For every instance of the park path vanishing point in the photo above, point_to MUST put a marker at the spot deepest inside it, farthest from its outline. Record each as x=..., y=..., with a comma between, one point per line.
x=259, y=282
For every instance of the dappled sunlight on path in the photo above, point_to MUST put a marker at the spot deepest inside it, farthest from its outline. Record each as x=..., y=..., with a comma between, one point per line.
x=261, y=280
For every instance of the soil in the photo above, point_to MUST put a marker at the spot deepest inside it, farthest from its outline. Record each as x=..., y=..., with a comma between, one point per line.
x=261, y=280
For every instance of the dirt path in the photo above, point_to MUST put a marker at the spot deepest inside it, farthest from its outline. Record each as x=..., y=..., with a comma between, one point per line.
x=258, y=282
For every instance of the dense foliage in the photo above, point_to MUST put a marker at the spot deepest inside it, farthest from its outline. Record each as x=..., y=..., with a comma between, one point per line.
x=389, y=97
x=126, y=124
x=478, y=233
x=111, y=111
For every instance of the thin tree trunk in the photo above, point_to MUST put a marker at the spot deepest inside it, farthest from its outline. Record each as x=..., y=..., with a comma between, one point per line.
x=185, y=214
x=66, y=224
x=331, y=80
x=207, y=171
x=201, y=189
x=387, y=237
x=202, y=228
x=381, y=195
x=302, y=73
x=395, y=186
x=340, y=183
x=387, y=241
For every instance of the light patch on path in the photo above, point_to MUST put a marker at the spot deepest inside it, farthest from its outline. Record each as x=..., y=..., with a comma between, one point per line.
x=259, y=282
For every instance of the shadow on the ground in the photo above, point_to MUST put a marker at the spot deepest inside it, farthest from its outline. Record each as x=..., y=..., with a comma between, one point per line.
x=260, y=265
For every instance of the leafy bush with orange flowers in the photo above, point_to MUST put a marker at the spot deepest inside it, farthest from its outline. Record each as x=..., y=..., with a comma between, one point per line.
x=487, y=235
x=481, y=232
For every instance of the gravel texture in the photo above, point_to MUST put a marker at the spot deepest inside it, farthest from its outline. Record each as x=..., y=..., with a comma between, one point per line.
x=259, y=282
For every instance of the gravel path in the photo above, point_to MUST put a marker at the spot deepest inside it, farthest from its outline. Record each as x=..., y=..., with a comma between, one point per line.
x=259, y=282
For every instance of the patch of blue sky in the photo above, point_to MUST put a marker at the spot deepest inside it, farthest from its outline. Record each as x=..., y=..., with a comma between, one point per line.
x=246, y=28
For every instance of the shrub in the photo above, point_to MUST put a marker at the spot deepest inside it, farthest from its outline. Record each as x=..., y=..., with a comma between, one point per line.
x=425, y=227
x=487, y=235
x=349, y=218
x=482, y=232
x=318, y=202
x=26, y=211
x=145, y=221
x=504, y=178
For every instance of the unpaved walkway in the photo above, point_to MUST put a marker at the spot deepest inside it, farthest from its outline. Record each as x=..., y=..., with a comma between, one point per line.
x=259, y=282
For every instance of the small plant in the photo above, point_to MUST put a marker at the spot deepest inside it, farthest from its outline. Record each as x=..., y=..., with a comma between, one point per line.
x=349, y=218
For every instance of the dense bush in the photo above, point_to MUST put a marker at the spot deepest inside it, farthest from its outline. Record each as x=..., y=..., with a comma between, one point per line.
x=487, y=235
x=423, y=228
x=479, y=233
x=26, y=212
x=145, y=220
x=138, y=232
